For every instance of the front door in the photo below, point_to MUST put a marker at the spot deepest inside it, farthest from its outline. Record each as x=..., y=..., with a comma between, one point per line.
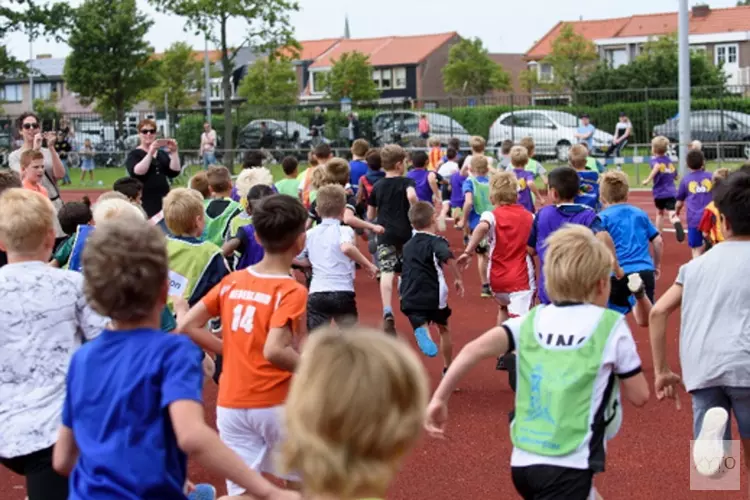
x=728, y=55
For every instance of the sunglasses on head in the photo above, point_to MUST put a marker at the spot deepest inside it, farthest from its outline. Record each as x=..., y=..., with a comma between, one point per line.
x=148, y=131
x=28, y=126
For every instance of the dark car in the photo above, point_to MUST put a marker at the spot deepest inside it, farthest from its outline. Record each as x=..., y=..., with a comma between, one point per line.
x=712, y=127
x=285, y=135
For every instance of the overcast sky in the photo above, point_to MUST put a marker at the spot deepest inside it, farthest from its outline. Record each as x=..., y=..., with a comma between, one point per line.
x=503, y=25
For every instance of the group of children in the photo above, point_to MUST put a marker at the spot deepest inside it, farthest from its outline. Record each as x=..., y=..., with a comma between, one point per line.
x=215, y=269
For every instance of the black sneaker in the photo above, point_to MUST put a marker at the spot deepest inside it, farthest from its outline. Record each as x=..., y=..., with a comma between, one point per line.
x=486, y=292
x=389, y=324
x=445, y=370
x=679, y=231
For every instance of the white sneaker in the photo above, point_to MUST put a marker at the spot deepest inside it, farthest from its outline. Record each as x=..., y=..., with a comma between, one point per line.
x=441, y=224
x=634, y=282
x=708, y=449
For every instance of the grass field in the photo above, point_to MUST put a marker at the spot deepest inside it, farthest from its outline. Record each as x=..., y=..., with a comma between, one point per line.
x=105, y=177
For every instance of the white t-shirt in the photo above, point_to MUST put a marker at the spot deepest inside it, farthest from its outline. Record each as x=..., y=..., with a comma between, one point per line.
x=332, y=271
x=620, y=358
x=208, y=141
x=447, y=169
x=45, y=317
x=14, y=161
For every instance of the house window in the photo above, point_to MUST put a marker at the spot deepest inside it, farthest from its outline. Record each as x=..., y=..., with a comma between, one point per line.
x=545, y=73
x=386, y=79
x=317, y=82
x=217, y=91
x=43, y=90
x=698, y=49
x=11, y=93
x=726, y=54
x=376, y=77
x=399, y=78
x=616, y=57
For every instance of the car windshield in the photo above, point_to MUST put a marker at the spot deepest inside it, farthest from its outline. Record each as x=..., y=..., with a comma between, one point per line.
x=564, y=119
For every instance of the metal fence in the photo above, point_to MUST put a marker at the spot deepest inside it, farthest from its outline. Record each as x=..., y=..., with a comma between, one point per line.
x=720, y=119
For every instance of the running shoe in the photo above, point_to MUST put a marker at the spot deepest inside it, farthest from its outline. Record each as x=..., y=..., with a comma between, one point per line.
x=389, y=324
x=486, y=292
x=424, y=341
x=708, y=448
x=203, y=492
x=635, y=285
x=679, y=231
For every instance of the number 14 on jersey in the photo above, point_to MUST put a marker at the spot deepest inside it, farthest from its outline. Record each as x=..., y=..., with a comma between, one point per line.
x=242, y=318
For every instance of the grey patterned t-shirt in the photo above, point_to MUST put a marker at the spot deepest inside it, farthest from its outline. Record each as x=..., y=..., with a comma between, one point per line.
x=43, y=319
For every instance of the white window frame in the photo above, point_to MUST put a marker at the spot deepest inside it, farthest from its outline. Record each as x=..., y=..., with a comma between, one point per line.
x=726, y=47
x=386, y=75
x=540, y=74
x=18, y=94
x=42, y=90
x=609, y=56
x=376, y=75
x=399, y=78
x=314, y=75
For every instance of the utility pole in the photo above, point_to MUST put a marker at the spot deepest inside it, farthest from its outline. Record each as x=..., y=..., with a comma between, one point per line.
x=31, y=69
x=684, y=82
x=207, y=71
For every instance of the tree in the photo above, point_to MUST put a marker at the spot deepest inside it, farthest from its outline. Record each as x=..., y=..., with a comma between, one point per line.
x=740, y=3
x=351, y=76
x=268, y=28
x=270, y=82
x=529, y=80
x=471, y=72
x=110, y=63
x=179, y=75
x=572, y=58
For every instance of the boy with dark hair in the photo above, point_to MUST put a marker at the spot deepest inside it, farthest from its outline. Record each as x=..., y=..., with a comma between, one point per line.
x=423, y=290
x=199, y=182
x=373, y=175
x=389, y=202
x=426, y=181
x=243, y=243
x=289, y=185
x=695, y=192
x=126, y=279
x=8, y=179
x=713, y=295
x=323, y=153
x=260, y=308
x=445, y=173
x=476, y=192
x=71, y=216
x=664, y=174
x=588, y=193
x=358, y=165
x=220, y=209
x=710, y=224
x=130, y=187
x=504, y=162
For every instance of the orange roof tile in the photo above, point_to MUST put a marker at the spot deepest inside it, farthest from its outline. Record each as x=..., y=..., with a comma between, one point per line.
x=387, y=51
x=592, y=30
x=198, y=55
x=311, y=49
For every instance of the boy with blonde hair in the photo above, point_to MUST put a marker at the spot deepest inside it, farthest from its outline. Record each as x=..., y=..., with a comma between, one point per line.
x=588, y=193
x=695, y=192
x=261, y=308
x=632, y=233
x=221, y=208
x=435, y=157
x=126, y=279
x=199, y=182
x=8, y=179
x=663, y=175
x=534, y=166
x=478, y=145
x=32, y=171
x=253, y=173
x=376, y=429
x=559, y=440
x=45, y=318
x=389, y=202
x=528, y=193
x=476, y=192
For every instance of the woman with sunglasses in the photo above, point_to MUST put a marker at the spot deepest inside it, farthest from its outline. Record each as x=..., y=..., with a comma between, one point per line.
x=151, y=165
x=30, y=130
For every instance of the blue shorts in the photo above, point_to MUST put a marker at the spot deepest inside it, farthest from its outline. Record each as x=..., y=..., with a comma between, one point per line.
x=733, y=399
x=695, y=237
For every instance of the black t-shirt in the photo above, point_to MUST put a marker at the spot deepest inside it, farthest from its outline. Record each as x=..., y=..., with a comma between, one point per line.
x=3, y=258
x=63, y=148
x=422, y=277
x=155, y=180
x=351, y=204
x=389, y=197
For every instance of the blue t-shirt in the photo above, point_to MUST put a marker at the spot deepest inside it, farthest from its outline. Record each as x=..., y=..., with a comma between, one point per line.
x=468, y=187
x=358, y=168
x=588, y=129
x=588, y=193
x=118, y=391
x=632, y=232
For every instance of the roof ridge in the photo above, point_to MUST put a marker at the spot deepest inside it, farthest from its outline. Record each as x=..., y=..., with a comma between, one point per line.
x=384, y=37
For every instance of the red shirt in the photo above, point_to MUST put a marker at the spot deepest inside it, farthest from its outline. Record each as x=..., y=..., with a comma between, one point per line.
x=511, y=269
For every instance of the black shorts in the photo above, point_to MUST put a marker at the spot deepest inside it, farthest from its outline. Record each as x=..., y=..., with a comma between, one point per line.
x=665, y=203
x=549, y=482
x=445, y=192
x=620, y=294
x=42, y=482
x=323, y=307
x=420, y=317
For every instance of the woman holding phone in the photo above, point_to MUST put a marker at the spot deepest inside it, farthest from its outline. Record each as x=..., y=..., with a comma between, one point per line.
x=151, y=165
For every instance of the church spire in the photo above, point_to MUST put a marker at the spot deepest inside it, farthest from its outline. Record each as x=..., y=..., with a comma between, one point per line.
x=347, y=34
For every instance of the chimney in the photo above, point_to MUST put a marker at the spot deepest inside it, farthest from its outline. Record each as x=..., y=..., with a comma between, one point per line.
x=702, y=10
x=44, y=56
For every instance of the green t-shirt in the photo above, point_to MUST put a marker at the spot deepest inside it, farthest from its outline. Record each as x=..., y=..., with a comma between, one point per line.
x=288, y=186
x=62, y=255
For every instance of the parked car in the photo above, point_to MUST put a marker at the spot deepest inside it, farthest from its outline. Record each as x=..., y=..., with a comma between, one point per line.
x=286, y=135
x=402, y=127
x=712, y=126
x=553, y=132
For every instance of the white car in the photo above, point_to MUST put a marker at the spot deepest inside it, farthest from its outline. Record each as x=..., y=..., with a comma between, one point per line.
x=553, y=132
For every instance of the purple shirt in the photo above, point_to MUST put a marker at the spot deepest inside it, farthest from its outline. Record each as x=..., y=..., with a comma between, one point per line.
x=664, y=179
x=695, y=191
x=253, y=252
x=421, y=178
x=457, y=195
x=550, y=219
x=236, y=196
x=525, y=179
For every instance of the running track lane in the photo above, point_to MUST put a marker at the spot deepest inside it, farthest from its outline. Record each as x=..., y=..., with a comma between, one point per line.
x=649, y=459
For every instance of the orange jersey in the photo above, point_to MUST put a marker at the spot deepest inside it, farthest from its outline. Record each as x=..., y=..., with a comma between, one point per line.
x=305, y=186
x=436, y=156
x=37, y=188
x=250, y=305
x=710, y=224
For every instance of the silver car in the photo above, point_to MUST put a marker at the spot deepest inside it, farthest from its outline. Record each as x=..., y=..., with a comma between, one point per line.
x=553, y=132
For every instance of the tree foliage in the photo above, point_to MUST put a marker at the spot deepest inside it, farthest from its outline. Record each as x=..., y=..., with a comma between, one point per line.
x=179, y=76
x=572, y=58
x=269, y=82
x=656, y=67
x=110, y=63
x=471, y=72
x=268, y=27
x=351, y=76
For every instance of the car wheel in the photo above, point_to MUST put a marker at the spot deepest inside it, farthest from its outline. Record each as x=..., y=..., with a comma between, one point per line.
x=563, y=151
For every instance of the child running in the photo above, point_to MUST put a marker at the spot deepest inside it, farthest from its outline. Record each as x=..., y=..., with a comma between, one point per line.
x=478, y=145
x=476, y=191
x=389, y=202
x=220, y=209
x=663, y=175
x=261, y=308
x=435, y=158
x=423, y=290
x=101, y=442
x=331, y=252
x=695, y=192
x=528, y=193
x=534, y=166
x=632, y=233
x=71, y=216
x=504, y=162
x=446, y=172
x=289, y=185
x=375, y=390
x=358, y=165
x=426, y=181
x=588, y=193
x=560, y=422
x=244, y=244
x=253, y=173
x=710, y=224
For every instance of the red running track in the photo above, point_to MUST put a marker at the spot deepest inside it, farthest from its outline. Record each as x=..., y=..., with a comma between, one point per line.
x=649, y=459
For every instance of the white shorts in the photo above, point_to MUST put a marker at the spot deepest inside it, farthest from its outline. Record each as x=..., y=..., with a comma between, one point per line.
x=254, y=435
x=518, y=303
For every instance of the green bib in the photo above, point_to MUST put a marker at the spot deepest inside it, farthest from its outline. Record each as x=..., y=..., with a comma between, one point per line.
x=533, y=167
x=187, y=264
x=555, y=387
x=237, y=222
x=216, y=227
x=481, y=196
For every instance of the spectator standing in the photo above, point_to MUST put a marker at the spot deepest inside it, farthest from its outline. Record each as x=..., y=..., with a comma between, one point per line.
x=208, y=145
x=63, y=148
x=424, y=127
x=586, y=131
x=623, y=130
x=353, y=128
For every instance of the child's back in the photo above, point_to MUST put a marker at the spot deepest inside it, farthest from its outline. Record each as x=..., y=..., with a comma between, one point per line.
x=457, y=196
x=219, y=214
x=589, y=192
x=390, y=197
x=525, y=179
x=664, y=186
x=510, y=228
